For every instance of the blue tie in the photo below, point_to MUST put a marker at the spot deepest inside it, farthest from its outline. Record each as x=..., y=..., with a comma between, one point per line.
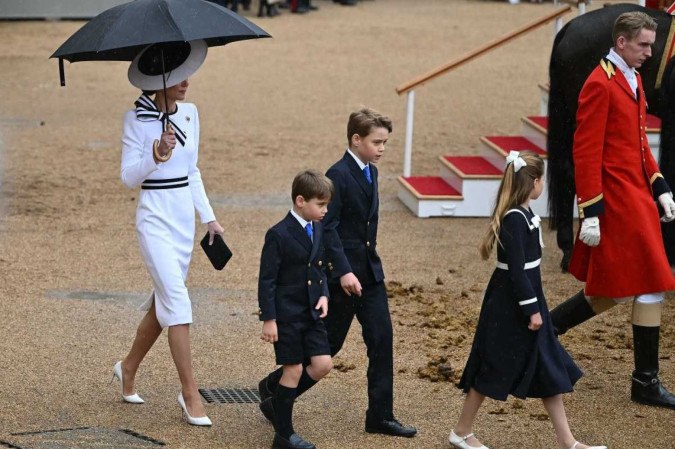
x=366, y=171
x=310, y=232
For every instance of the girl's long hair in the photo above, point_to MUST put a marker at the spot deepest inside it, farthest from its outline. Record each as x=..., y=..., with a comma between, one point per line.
x=514, y=190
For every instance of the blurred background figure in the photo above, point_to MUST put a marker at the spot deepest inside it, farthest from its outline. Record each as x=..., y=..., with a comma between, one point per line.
x=268, y=8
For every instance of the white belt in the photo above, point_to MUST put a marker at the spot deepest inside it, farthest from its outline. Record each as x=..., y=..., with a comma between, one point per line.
x=528, y=265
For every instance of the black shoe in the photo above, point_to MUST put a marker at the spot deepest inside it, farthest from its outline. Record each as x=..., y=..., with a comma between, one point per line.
x=295, y=441
x=267, y=409
x=650, y=391
x=263, y=390
x=390, y=427
x=347, y=2
x=300, y=10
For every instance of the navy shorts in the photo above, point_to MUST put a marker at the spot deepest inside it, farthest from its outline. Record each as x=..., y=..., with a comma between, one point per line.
x=298, y=341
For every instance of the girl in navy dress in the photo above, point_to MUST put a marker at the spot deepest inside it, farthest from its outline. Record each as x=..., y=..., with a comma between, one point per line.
x=514, y=350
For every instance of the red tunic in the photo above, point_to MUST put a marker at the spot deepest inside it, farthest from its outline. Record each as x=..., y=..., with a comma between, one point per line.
x=617, y=180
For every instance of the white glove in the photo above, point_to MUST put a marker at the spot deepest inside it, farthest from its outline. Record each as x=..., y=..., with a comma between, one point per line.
x=590, y=231
x=666, y=201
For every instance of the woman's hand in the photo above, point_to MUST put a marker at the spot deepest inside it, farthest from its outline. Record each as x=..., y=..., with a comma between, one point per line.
x=535, y=322
x=214, y=228
x=167, y=142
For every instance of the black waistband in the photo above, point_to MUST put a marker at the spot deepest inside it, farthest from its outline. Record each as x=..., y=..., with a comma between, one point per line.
x=160, y=184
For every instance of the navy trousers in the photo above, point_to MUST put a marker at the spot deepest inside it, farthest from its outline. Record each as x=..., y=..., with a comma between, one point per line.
x=372, y=311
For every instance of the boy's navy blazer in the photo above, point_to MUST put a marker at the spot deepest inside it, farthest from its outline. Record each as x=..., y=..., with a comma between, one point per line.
x=351, y=223
x=292, y=276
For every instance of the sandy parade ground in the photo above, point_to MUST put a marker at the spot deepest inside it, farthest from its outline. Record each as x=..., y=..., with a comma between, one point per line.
x=71, y=276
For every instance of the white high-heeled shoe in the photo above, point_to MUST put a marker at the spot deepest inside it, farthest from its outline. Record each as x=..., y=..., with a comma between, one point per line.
x=117, y=373
x=574, y=446
x=201, y=421
x=460, y=442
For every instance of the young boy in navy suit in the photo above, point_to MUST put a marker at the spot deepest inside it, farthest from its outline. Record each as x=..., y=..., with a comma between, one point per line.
x=356, y=276
x=293, y=299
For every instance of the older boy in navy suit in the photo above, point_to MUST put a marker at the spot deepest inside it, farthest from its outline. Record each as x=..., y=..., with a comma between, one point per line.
x=293, y=299
x=356, y=275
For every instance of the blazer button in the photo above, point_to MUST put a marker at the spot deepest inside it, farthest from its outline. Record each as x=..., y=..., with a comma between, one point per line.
x=367, y=243
x=320, y=281
x=320, y=263
x=309, y=265
x=309, y=282
x=259, y=312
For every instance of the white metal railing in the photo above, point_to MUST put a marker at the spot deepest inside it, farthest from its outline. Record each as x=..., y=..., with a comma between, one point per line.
x=409, y=86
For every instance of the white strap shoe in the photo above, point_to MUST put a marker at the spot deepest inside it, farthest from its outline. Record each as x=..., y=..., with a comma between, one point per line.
x=117, y=373
x=576, y=443
x=460, y=442
x=200, y=421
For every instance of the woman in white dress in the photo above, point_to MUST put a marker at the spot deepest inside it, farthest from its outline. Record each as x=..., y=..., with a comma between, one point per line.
x=164, y=164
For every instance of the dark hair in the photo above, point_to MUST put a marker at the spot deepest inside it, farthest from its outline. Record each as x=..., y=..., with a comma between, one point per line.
x=362, y=122
x=311, y=184
x=629, y=25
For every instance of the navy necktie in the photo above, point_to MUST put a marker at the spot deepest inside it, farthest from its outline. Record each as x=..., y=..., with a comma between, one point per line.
x=310, y=231
x=366, y=171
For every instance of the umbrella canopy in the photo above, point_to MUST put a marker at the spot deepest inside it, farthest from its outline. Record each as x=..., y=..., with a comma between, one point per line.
x=120, y=33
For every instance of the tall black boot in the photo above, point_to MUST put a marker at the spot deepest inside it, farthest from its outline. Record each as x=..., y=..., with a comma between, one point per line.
x=646, y=387
x=570, y=313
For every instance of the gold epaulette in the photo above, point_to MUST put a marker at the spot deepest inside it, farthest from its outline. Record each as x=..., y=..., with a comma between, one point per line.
x=608, y=68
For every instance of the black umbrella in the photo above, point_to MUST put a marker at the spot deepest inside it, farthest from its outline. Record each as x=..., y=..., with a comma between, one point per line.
x=120, y=33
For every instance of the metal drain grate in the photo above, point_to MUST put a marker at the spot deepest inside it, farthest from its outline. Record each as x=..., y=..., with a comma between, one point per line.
x=230, y=395
x=81, y=438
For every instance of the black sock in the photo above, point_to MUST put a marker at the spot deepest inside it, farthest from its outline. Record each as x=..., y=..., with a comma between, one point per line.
x=283, y=409
x=305, y=383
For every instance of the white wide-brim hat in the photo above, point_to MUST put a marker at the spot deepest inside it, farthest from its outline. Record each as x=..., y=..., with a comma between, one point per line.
x=181, y=60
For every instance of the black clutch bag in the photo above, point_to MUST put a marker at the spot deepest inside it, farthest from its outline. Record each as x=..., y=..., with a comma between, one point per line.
x=218, y=253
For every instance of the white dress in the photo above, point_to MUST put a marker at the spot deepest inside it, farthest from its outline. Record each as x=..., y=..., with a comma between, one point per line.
x=165, y=218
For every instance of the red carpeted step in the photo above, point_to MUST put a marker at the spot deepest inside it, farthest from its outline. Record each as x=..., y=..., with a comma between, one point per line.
x=471, y=166
x=540, y=121
x=653, y=123
x=429, y=186
x=504, y=144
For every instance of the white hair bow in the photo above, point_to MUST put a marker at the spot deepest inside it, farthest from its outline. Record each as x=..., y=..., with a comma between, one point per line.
x=518, y=162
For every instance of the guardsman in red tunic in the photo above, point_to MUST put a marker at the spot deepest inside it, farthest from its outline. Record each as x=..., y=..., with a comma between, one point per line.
x=619, y=252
